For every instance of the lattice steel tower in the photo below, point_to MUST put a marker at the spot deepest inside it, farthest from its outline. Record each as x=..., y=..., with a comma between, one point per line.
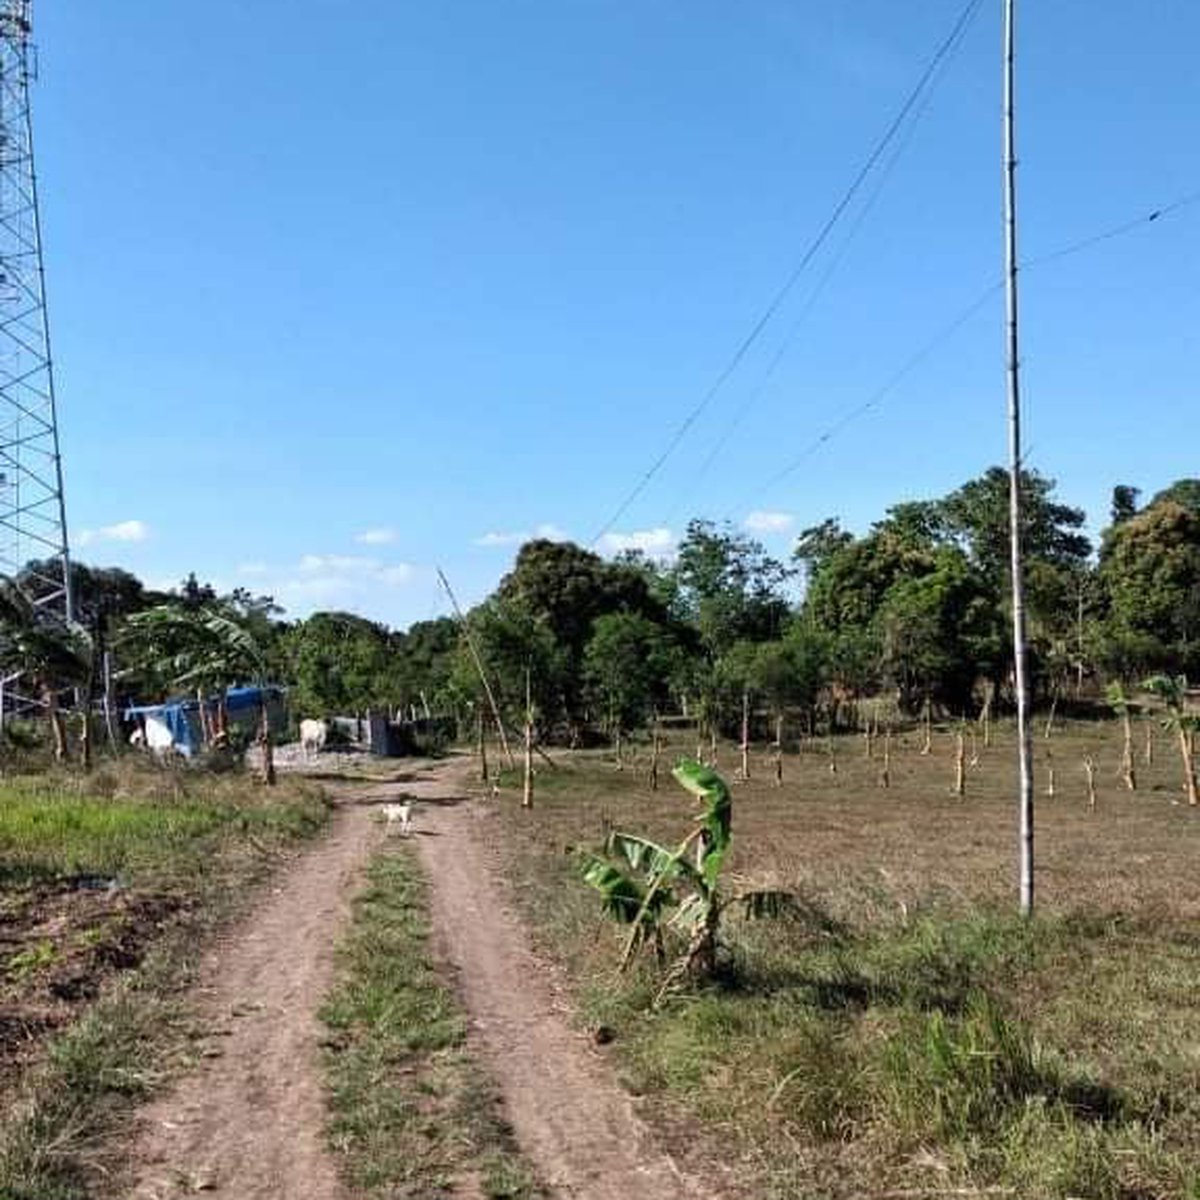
x=33, y=523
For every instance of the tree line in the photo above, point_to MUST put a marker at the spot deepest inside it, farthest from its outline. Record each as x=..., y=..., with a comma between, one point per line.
x=915, y=609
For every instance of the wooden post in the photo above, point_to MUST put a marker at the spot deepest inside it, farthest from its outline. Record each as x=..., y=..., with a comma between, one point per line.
x=985, y=717
x=527, y=795
x=110, y=724
x=1127, y=770
x=1050, y=718
x=481, y=742
x=885, y=776
x=264, y=740
x=927, y=721
x=745, y=734
x=832, y=755
x=974, y=748
x=85, y=736
x=712, y=745
x=1149, y=751
x=1089, y=769
x=1189, y=763
x=779, y=749
x=1049, y=773
x=960, y=775
x=617, y=746
x=655, y=751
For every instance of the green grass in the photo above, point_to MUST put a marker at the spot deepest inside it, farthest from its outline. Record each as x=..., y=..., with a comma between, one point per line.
x=411, y=1112
x=907, y=1034
x=190, y=845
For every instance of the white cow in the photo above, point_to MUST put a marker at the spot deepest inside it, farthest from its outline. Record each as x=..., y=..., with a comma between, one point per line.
x=312, y=736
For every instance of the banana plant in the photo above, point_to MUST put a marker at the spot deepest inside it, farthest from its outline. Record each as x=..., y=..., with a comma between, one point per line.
x=652, y=888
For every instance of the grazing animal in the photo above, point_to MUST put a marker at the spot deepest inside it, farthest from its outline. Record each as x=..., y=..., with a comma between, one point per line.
x=312, y=736
x=398, y=814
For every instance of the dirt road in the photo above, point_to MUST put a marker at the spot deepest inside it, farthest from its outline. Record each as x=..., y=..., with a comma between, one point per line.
x=249, y=1121
x=570, y=1117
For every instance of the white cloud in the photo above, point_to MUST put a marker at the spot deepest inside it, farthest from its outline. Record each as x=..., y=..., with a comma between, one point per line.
x=252, y=568
x=376, y=537
x=122, y=531
x=398, y=574
x=500, y=539
x=768, y=522
x=548, y=531
x=338, y=562
x=649, y=541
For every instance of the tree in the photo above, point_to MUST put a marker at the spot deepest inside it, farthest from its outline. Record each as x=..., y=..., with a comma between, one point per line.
x=566, y=589
x=627, y=665
x=340, y=663
x=729, y=588
x=51, y=655
x=1172, y=691
x=1150, y=573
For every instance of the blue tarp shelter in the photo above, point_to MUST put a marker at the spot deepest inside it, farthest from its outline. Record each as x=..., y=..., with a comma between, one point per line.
x=176, y=723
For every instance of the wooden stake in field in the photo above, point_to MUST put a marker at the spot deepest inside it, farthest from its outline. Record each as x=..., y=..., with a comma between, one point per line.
x=1049, y=773
x=745, y=734
x=655, y=751
x=779, y=749
x=527, y=795
x=927, y=722
x=1089, y=769
x=1148, y=754
x=712, y=745
x=974, y=748
x=868, y=740
x=481, y=742
x=265, y=743
x=885, y=776
x=985, y=716
x=960, y=757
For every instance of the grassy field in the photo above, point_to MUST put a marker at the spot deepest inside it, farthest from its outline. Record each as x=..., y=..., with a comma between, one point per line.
x=107, y=883
x=413, y=1116
x=909, y=1035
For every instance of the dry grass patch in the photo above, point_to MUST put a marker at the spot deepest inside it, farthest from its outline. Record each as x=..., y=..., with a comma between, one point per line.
x=908, y=1033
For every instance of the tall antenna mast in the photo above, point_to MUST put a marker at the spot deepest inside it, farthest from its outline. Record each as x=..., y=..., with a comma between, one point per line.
x=1021, y=681
x=33, y=525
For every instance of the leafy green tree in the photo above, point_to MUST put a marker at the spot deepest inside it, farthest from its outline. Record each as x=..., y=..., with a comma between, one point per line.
x=566, y=588
x=627, y=666
x=1150, y=573
x=45, y=652
x=729, y=588
x=340, y=663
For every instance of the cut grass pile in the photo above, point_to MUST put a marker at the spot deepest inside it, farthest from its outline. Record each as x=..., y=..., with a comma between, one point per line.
x=908, y=1034
x=108, y=886
x=412, y=1114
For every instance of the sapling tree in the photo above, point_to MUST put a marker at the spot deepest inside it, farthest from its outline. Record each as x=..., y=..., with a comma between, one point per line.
x=1172, y=691
x=655, y=890
x=1118, y=701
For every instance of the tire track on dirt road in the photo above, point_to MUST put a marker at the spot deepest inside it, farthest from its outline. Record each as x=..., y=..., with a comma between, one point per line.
x=250, y=1120
x=571, y=1118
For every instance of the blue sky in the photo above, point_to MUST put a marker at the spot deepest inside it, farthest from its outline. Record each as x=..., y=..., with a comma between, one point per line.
x=344, y=290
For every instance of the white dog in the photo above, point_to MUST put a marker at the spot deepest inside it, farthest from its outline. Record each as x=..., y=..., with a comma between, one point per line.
x=398, y=814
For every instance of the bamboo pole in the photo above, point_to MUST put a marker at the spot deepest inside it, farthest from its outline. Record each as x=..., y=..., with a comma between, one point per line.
x=745, y=747
x=1089, y=769
x=1128, y=774
x=1049, y=773
x=1024, y=743
x=885, y=776
x=960, y=774
x=487, y=687
x=527, y=795
x=481, y=742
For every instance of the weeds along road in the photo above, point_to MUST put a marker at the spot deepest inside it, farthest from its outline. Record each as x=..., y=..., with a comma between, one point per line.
x=250, y=1119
